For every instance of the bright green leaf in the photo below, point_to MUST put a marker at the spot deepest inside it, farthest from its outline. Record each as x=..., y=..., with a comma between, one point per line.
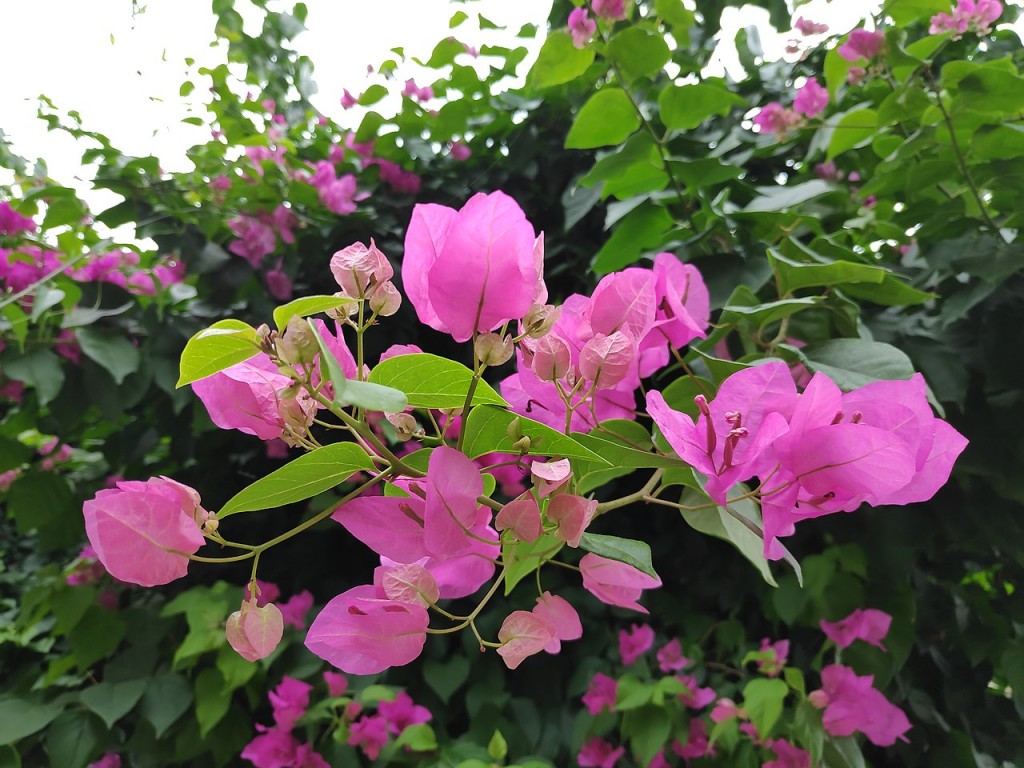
x=430, y=381
x=638, y=51
x=853, y=129
x=223, y=344
x=607, y=118
x=306, y=306
x=684, y=107
x=559, y=61
x=762, y=699
x=300, y=479
x=487, y=430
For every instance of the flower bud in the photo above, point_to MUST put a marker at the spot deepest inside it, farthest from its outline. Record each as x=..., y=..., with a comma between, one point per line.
x=342, y=313
x=551, y=358
x=297, y=345
x=606, y=360
x=385, y=299
x=539, y=319
x=266, y=337
x=255, y=632
x=492, y=349
x=404, y=424
x=357, y=266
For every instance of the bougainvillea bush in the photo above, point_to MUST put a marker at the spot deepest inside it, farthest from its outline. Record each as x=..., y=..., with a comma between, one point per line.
x=426, y=442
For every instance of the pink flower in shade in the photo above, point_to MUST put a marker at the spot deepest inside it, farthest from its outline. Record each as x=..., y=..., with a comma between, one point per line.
x=572, y=514
x=370, y=734
x=773, y=657
x=338, y=196
x=472, y=269
x=251, y=397
x=598, y=753
x=659, y=760
x=808, y=27
x=363, y=149
x=220, y=183
x=696, y=697
x=697, y=744
x=787, y=755
x=7, y=479
x=969, y=15
x=777, y=119
x=403, y=712
x=392, y=174
x=13, y=223
x=254, y=632
x=460, y=151
x=273, y=748
x=581, y=27
x=362, y=634
x=523, y=634
x=635, y=643
x=870, y=625
x=266, y=592
x=279, y=285
x=561, y=617
x=256, y=239
x=522, y=517
x=726, y=709
x=615, y=583
x=862, y=44
x=852, y=704
x=141, y=532
x=670, y=657
x=348, y=100
x=87, y=568
x=610, y=9
x=811, y=99
x=294, y=610
x=337, y=683
x=289, y=700
x=307, y=757
x=601, y=694
x=109, y=760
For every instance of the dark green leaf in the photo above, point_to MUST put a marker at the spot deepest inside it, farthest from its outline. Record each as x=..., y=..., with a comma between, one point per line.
x=112, y=701
x=72, y=739
x=116, y=354
x=608, y=117
x=20, y=718
x=628, y=551
x=165, y=700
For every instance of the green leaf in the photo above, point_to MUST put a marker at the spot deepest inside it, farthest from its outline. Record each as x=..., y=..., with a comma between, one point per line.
x=44, y=298
x=235, y=670
x=487, y=430
x=718, y=522
x=20, y=718
x=446, y=677
x=429, y=381
x=96, y=636
x=608, y=117
x=852, y=363
x=211, y=702
x=674, y=13
x=638, y=51
x=632, y=693
x=559, y=61
x=40, y=369
x=13, y=453
x=619, y=443
x=418, y=738
x=223, y=344
x=628, y=551
x=762, y=698
x=165, y=700
x=903, y=12
x=772, y=199
x=643, y=228
x=523, y=558
x=853, y=129
x=794, y=275
x=684, y=107
x=636, y=168
x=72, y=739
x=891, y=292
x=300, y=479
x=306, y=306
x=648, y=729
x=497, y=747
x=116, y=354
x=372, y=95
x=112, y=701
x=364, y=394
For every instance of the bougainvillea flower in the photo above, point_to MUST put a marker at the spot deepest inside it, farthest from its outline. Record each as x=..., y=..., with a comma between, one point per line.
x=557, y=613
x=624, y=301
x=143, y=532
x=363, y=634
x=615, y=583
x=572, y=514
x=773, y=656
x=695, y=697
x=610, y=9
x=601, y=694
x=273, y=748
x=975, y=15
x=13, y=223
x=729, y=440
x=407, y=583
x=522, y=634
x=808, y=27
x=522, y=517
x=549, y=476
x=635, y=642
x=683, y=303
x=605, y=361
x=581, y=27
x=357, y=266
x=294, y=610
x=453, y=485
x=777, y=119
x=787, y=755
x=337, y=683
x=470, y=270
x=403, y=712
x=853, y=704
x=869, y=625
x=370, y=734
x=289, y=701
x=697, y=743
x=598, y=753
x=811, y=99
x=862, y=44
x=392, y=526
x=254, y=631
x=670, y=657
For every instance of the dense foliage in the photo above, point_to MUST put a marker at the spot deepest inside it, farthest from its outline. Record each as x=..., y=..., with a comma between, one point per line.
x=854, y=211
